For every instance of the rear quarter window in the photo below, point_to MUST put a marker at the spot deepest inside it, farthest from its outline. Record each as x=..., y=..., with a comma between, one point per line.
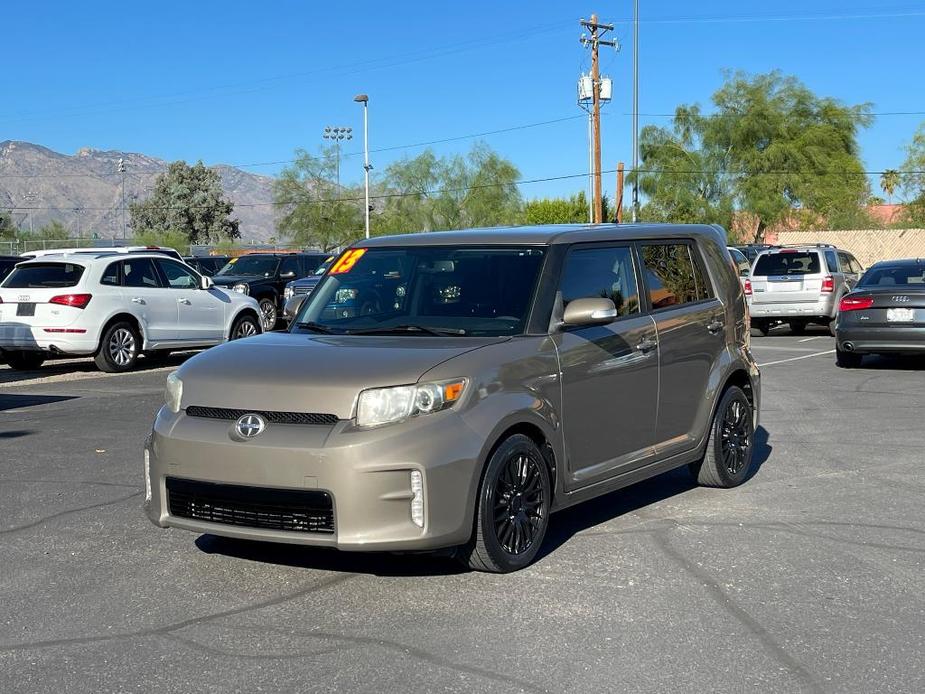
x=787, y=263
x=37, y=275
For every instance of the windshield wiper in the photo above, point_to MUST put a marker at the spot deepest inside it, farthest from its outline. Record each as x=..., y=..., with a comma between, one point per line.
x=315, y=327
x=384, y=330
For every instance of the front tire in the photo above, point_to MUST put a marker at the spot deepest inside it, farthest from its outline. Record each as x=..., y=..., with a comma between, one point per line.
x=24, y=361
x=797, y=327
x=244, y=326
x=847, y=360
x=119, y=348
x=268, y=314
x=727, y=460
x=512, y=509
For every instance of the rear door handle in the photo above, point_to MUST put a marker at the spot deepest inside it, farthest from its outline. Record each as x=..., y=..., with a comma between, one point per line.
x=137, y=300
x=647, y=345
x=715, y=326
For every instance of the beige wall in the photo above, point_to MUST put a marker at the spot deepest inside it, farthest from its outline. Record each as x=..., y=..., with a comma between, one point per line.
x=867, y=245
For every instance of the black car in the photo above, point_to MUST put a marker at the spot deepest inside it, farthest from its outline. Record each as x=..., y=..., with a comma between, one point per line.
x=7, y=263
x=883, y=314
x=297, y=290
x=264, y=277
x=751, y=250
x=207, y=264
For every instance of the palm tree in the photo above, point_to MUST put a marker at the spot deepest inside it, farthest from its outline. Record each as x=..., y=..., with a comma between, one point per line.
x=889, y=179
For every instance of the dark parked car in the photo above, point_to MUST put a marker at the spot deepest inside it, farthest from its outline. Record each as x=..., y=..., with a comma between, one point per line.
x=497, y=376
x=207, y=265
x=884, y=314
x=264, y=276
x=7, y=263
x=751, y=250
x=297, y=290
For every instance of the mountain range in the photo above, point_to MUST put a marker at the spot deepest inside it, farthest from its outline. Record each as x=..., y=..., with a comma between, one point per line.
x=83, y=191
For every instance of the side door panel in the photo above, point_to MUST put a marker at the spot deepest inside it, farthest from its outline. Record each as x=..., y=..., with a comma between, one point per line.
x=201, y=313
x=144, y=294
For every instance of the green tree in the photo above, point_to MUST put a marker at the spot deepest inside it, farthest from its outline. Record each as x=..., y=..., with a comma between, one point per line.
x=187, y=199
x=7, y=228
x=889, y=180
x=912, y=179
x=571, y=210
x=427, y=193
x=771, y=147
x=314, y=210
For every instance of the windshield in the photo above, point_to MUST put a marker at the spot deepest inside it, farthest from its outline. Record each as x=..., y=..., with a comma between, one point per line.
x=896, y=275
x=250, y=266
x=35, y=275
x=787, y=263
x=425, y=290
x=323, y=268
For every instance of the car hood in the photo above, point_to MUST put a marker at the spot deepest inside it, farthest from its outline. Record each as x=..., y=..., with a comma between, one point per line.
x=228, y=280
x=295, y=372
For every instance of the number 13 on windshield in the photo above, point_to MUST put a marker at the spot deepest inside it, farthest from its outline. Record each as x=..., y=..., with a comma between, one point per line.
x=347, y=261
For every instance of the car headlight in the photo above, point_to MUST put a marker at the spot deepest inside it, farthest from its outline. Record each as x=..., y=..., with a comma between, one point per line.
x=287, y=292
x=342, y=296
x=174, y=392
x=378, y=406
x=241, y=288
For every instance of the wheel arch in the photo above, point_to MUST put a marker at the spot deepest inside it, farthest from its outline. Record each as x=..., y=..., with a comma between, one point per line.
x=244, y=311
x=129, y=318
x=740, y=377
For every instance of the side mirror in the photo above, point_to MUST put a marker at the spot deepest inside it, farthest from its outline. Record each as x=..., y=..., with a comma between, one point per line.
x=583, y=312
x=287, y=275
x=206, y=282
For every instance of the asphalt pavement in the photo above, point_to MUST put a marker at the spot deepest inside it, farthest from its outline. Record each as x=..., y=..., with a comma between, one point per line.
x=807, y=578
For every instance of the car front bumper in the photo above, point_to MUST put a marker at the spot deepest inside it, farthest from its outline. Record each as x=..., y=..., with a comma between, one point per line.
x=366, y=474
x=824, y=308
x=868, y=340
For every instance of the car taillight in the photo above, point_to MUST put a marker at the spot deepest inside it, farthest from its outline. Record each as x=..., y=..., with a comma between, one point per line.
x=74, y=300
x=855, y=303
x=748, y=287
x=828, y=284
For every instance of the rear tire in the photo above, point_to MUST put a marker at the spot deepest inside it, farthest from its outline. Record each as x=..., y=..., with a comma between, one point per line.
x=761, y=326
x=727, y=460
x=24, y=360
x=268, y=314
x=512, y=509
x=119, y=348
x=848, y=360
x=797, y=327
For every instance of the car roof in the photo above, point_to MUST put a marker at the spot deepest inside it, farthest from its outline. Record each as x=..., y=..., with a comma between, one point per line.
x=544, y=235
x=899, y=262
x=90, y=257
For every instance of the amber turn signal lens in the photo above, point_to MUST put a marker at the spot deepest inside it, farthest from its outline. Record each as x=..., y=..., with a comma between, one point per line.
x=452, y=391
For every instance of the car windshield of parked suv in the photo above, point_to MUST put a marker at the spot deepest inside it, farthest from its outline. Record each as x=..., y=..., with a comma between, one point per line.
x=35, y=275
x=895, y=275
x=787, y=263
x=323, y=268
x=250, y=266
x=425, y=290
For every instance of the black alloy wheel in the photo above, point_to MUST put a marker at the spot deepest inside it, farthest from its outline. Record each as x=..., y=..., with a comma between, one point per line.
x=727, y=460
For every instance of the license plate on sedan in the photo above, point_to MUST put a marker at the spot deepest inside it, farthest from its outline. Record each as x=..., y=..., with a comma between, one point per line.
x=25, y=309
x=900, y=315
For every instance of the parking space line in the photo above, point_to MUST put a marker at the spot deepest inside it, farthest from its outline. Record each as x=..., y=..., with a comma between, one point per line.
x=805, y=356
x=783, y=348
x=817, y=337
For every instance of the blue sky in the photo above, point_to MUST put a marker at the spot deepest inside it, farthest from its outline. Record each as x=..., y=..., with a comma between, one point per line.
x=247, y=82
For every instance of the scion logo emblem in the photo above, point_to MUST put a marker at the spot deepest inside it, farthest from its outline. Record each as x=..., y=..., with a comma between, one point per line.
x=900, y=299
x=250, y=425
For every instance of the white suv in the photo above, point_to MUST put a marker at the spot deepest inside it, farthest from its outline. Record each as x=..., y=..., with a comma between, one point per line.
x=114, y=306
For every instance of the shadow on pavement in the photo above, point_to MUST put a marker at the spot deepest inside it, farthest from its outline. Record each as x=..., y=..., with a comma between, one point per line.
x=76, y=367
x=15, y=402
x=892, y=362
x=16, y=434
x=562, y=527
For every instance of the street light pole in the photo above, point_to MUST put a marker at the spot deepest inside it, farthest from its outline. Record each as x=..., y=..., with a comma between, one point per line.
x=122, y=172
x=336, y=135
x=364, y=99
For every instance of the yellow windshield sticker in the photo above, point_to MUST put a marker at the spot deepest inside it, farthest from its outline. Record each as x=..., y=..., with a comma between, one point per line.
x=347, y=261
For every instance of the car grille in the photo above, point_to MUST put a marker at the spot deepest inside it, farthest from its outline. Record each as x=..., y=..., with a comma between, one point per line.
x=294, y=510
x=314, y=418
x=301, y=290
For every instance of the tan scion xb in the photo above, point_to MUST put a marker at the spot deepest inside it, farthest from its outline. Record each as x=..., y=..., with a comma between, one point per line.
x=453, y=389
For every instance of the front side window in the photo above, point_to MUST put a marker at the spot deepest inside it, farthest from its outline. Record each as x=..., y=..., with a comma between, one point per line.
x=595, y=273
x=36, y=275
x=250, y=266
x=787, y=263
x=289, y=265
x=178, y=276
x=111, y=275
x=425, y=291
x=672, y=275
x=141, y=273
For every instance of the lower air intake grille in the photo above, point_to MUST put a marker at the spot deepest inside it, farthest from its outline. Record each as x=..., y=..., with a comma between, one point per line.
x=295, y=510
x=272, y=417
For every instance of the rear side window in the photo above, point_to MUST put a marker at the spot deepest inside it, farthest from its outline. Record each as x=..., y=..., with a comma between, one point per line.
x=111, y=275
x=595, y=273
x=787, y=263
x=37, y=275
x=673, y=276
x=139, y=272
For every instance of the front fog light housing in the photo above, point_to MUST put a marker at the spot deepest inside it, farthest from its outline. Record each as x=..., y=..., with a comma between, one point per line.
x=241, y=288
x=378, y=406
x=417, y=498
x=173, y=393
x=148, y=475
x=287, y=293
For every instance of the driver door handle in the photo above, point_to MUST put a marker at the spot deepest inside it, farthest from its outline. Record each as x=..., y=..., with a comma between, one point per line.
x=647, y=345
x=137, y=300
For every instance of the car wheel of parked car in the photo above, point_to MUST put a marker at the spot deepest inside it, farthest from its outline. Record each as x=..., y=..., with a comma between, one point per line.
x=512, y=510
x=728, y=458
x=24, y=361
x=268, y=313
x=832, y=327
x=118, y=348
x=762, y=327
x=847, y=360
x=244, y=326
x=797, y=327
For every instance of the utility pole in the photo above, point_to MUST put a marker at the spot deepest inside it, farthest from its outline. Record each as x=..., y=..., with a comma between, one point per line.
x=367, y=167
x=619, y=196
x=30, y=197
x=122, y=172
x=598, y=30
x=635, y=110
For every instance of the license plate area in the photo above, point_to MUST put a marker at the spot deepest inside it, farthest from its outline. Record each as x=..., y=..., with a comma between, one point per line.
x=900, y=315
x=25, y=309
